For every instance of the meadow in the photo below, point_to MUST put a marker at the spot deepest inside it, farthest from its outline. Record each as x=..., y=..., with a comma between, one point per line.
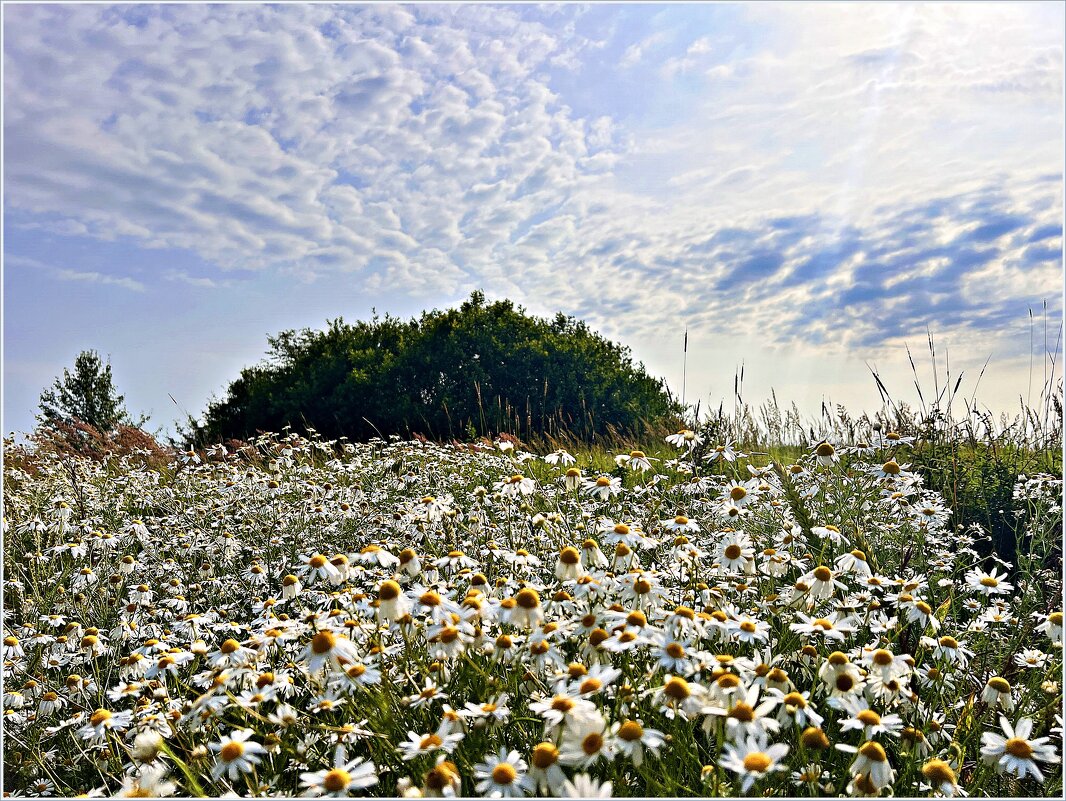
x=302, y=616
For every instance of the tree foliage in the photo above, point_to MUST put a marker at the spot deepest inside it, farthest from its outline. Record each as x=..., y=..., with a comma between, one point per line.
x=481, y=369
x=87, y=395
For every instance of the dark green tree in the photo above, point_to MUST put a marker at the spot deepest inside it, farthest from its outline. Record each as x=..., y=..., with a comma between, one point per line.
x=483, y=368
x=87, y=394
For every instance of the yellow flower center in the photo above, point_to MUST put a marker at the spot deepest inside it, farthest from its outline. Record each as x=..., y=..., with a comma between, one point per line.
x=569, y=556
x=873, y=752
x=742, y=712
x=882, y=657
x=737, y=493
x=630, y=731
x=527, y=598
x=1017, y=747
x=733, y=551
x=869, y=718
x=823, y=573
x=677, y=688
x=757, y=762
x=592, y=744
x=430, y=741
x=231, y=751
x=938, y=772
x=336, y=780
x=318, y=560
x=545, y=755
x=323, y=642
x=504, y=773
x=988, y=581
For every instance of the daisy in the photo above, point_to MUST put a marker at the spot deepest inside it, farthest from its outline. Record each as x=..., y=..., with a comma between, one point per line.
x=503, y=776
x=871, y=767
x=320, y=566
x=631, y=738
x=236, y=754
x=1052, y=627
x=748, y=630
x=634, y=460
x=603, y=487
x=102, y=721
x=329, y=648
x=418, y=744
x=941, y=777
x=997, y=692
x=752, y=759
x=988, y=584
x=1016, y=753
x=584, y=786
x=545, y=770
x=584, y=743
x=684, y=438
x=563, y=709
x=1031, y=658
x=796, y=706
x=442, y=780
x=342, y=778
x=746, y=716
x=724, y=452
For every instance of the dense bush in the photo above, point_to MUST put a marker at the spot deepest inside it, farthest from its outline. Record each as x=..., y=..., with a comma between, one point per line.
x=483, y=368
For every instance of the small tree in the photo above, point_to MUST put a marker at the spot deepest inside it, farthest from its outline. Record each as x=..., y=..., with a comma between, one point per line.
x=88, y=394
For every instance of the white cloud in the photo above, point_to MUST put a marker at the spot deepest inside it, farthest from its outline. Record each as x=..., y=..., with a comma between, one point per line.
x=425, y=151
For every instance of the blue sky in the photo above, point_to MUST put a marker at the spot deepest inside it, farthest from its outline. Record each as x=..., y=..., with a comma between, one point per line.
x=805, y=187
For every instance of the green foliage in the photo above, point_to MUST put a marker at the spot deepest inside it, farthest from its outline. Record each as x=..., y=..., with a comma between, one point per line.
x=87, y=395
x=481, y=369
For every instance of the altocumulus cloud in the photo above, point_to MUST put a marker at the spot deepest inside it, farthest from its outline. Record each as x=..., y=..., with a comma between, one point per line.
x=429, y=150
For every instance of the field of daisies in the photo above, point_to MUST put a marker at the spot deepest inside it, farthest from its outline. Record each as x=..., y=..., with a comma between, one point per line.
x=402, y=618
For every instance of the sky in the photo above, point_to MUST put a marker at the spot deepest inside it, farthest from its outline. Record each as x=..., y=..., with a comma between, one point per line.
x=806, y=188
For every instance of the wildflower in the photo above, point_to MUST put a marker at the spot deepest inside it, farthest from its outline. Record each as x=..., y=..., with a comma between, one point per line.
x=343, y=777
x=1031, y=658
x=545, y=770
x=826, y=454
x=631, y=738
x=102, y=721
x=871, y=767
x=503, y=776
x=418, y=744
x=988, y=584
x=1052, y=627
x=997, y=692
x=442, y=780
x=392, y=605
x=1016, y=753
x=684, y=438
x=752, y=759
x=568, y=565
x=326, y=647
x=147, y=782
x=320, y=566
x=941, y=777
x=237, y=753
x=584, y=786
x=635, y=460
x=527, y=612
x=602, y=487
x=584, y=742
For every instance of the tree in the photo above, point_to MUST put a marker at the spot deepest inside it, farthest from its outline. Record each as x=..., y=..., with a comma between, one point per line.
x=88, y=394
x=482, y=368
